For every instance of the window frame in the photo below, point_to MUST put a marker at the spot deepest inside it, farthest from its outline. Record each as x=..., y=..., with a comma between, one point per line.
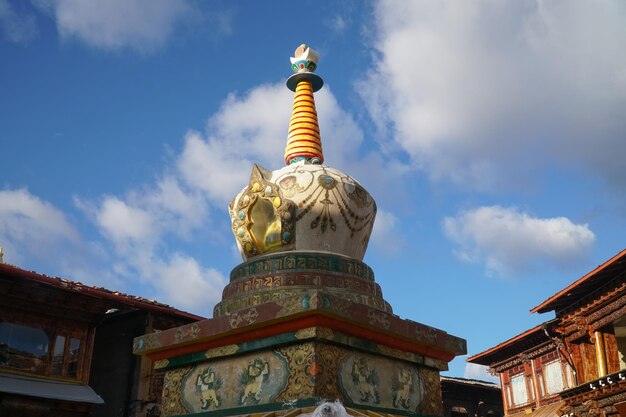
x=52, y=328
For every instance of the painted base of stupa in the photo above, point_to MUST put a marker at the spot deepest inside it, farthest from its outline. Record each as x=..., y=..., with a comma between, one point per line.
x=298, y=350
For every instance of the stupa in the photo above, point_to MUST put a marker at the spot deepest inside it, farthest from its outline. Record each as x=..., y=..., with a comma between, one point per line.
x=302, y=318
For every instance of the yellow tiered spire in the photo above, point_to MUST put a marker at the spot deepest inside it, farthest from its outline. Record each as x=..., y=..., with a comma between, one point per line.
x=304, y=141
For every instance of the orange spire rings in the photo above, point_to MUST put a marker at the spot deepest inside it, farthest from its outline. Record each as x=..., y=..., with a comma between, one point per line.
x=304, y=140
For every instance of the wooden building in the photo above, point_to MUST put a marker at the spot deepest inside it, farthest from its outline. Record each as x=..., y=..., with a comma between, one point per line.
x=532, y=372
x=590, y=326
x=574, y=364
x=464, y=397
x=66, y=348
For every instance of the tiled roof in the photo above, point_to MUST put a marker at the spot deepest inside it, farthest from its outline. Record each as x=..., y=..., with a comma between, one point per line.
x=531, y=336
x=584, y=285
x=96, y=292
x=467, y=381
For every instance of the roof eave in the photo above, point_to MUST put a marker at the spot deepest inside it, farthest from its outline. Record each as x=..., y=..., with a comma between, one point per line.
x=547, y=305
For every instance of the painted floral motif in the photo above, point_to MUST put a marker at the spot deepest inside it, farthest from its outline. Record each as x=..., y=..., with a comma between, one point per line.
x=246, y=318
x=207, y=386
x=146, y=342
x=252, y=380
x=299, y=359
x=326, y=193
x=378, y=319
x=172, y=387
x=290, y=187
x=311, y=368
x=366, y=380
x=187, y=332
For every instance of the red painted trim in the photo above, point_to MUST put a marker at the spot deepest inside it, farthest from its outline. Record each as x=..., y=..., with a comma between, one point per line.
x=298, y=322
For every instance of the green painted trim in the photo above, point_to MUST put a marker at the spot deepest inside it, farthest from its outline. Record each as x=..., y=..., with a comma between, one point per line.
x=246, y=347
x=340, y=339
x=302, y=261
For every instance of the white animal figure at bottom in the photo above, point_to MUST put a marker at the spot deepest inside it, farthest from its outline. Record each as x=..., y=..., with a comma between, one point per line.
x=330, y=409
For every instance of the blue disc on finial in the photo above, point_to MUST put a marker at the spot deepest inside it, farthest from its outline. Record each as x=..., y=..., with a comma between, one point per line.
x=316, y=80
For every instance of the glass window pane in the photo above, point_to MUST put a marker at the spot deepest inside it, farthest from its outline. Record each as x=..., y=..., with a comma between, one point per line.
x=518, y=385
x=22, y=347
x=72, y=366
x=57, y=355
x=554, y=377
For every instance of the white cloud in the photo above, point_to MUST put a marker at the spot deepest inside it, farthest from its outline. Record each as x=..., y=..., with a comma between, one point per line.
x=141, y=225
x=253, y=129
x=473, y=91
x=337, y=24
x=16, y=27
x=33, y=231
x=139, y=24
x=182, y=282
x=26, y=221
x=385, y=236
x=122, y=223
x=141, y=218
x=510, y=242
x=480, y=372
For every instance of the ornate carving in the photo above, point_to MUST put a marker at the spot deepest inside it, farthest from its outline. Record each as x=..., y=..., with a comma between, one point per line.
x=252, y=379
x=208, y=385
x=190, y=331
x=247, y=318
x=146, y=342
x=302, y=261
x=301, y=362
x=221, y=351
x=262, y=219
x=401, y=388
x=526, y=355
x=328, y=360
x=589, y=304
x=307, y=333
x=172, y=388
x=160, y=364
x=365, y=378
x=378, y=319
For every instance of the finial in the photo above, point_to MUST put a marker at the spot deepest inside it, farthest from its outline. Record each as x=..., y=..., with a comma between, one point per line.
x=305, y=59
x=304, y=64
x=304, y=142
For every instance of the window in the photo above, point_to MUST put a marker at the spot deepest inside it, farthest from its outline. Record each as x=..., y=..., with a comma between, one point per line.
x=57, y=355
x=553, y=375
x=22, y=347
x=74, y=356
x=518, y=386
x=41, y=350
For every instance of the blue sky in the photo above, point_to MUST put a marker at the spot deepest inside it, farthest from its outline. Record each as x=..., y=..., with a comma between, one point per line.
x=491, y=134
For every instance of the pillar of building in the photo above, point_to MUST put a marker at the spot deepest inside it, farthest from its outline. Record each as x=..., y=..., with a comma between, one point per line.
x=600, y=353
